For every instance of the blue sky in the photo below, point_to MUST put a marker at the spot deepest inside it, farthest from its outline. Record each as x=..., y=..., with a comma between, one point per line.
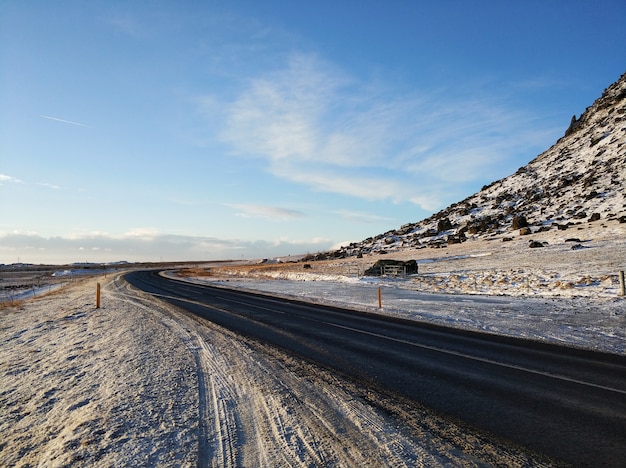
x=146, y=131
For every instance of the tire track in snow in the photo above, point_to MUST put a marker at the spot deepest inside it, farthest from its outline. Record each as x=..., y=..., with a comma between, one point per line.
x=204, y=453
x=223, y=401
x=123, y=292
x=216, y=436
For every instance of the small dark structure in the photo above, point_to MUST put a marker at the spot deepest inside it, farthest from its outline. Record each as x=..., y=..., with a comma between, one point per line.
x=389, y=267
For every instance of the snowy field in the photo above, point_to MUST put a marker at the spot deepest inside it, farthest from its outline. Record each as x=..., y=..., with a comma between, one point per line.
x=138, y=383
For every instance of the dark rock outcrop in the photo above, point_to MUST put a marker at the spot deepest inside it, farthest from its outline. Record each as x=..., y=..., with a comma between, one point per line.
x=444, y=225
x=519, y=222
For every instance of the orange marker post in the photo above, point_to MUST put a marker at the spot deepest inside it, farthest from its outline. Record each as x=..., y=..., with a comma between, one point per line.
x=98, y=296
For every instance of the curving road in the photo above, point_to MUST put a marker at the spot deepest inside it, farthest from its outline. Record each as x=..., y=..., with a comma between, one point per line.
x=565, y=403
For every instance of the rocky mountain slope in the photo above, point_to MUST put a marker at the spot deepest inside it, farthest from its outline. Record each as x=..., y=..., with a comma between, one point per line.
x=581, y=179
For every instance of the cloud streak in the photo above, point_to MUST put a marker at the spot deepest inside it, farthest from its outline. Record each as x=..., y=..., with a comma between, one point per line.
x=56, y=119
x=48, y=185
x=13, y=180
x=361, y=217
x=264, y=211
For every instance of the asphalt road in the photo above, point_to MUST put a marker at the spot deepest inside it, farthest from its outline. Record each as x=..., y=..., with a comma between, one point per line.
x=565, y=403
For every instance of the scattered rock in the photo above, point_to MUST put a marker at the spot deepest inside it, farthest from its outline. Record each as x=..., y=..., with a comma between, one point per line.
x=437, y=244
x=525, y=231
x=454, y=240
x=519, y=222
x=594, y=217
x=444, y=225
x=507, y=239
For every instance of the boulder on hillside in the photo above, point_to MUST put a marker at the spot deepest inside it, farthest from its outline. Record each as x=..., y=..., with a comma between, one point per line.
x=392, y=267
x=456, y=239
x=444, y=225
x=519, y=222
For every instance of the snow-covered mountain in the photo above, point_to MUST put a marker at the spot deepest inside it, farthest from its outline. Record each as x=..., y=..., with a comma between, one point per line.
x=581, y=179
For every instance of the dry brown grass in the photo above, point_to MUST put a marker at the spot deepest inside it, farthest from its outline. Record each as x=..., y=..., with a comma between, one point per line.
x=190, y=272
x=269, y=270
x=11, y=304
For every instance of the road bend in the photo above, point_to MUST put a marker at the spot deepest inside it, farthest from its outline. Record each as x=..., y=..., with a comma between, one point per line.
x=568, y=404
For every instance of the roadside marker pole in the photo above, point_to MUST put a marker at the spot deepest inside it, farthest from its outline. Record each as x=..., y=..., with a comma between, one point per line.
x=98, y=296
x=380, y=298
x=622, y=286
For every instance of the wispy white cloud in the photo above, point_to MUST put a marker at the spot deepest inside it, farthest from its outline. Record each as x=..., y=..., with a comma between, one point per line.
x=6, y=178
x=141, y=233
x=317, y=242
x=362, y=217
x=51, y=186
x=56, y=119
x=80, y=235
x=328, y=179
x=14, y=180
x=264, y=211
x=315, y=125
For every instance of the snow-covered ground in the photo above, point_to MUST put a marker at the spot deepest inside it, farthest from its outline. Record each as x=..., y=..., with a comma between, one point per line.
x=139, y=383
